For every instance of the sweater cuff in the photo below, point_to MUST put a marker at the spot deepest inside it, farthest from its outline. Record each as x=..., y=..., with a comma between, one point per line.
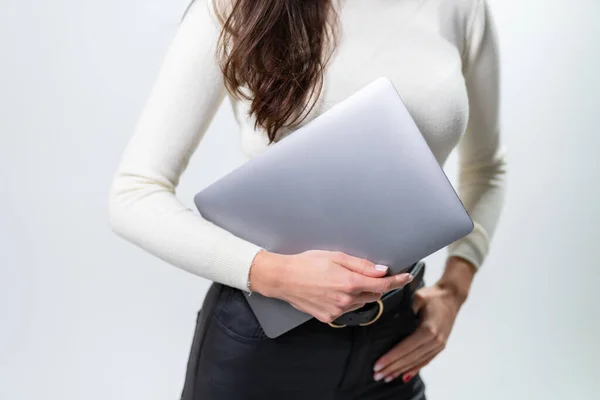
x=473, y=247
x=236, y=261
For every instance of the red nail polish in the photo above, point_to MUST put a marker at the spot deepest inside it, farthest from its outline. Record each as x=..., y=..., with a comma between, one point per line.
x=406, y=378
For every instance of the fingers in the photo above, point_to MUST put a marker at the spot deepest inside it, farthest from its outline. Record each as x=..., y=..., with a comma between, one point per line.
x=409, y=354
x=357, y=283
x=359, y=300
x=344, y=302
x=408, y=374
x=371, y=277
x=383, y=285
x=359, y=265
x=411, y=360
x=415, y=370
x=366, y=297
x=402, y=349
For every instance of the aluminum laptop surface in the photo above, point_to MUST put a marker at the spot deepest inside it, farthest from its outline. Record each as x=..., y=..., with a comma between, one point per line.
x=359, y=178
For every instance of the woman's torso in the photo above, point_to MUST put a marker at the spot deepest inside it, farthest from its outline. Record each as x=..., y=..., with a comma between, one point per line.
x=415, y=43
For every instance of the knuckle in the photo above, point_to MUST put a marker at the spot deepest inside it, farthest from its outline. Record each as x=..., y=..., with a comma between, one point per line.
x=440, y=340
x=338, y=256
x=337, y=311
x=322, y=318
x=364, y=264
x=386, y=285
x=347, y=301
x=344, y=300
x=328, y=316
x=351, y=284
x=430, y=331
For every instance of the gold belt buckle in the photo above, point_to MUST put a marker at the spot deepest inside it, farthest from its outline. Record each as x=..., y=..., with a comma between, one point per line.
x=379, y=302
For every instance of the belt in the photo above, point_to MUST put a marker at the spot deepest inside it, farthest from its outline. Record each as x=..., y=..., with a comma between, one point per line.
x=371, y=312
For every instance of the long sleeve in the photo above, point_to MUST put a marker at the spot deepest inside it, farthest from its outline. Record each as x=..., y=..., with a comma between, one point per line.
x=481, y=154
x=143, y=207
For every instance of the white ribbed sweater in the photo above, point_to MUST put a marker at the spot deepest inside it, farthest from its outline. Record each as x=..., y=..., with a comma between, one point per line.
x=440, y=54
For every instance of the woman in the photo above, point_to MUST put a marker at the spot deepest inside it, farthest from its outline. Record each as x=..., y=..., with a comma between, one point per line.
x=282, y=63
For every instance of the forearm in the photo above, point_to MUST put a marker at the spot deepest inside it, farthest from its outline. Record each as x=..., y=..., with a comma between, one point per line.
x=149, y=215
x=458, y=277
x=482, y=189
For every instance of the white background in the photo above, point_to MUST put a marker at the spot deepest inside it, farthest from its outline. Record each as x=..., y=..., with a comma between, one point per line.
x=85, y=315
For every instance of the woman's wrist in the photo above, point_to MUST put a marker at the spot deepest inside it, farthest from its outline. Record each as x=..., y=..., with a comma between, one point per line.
x=264, y=273
x=457, y=278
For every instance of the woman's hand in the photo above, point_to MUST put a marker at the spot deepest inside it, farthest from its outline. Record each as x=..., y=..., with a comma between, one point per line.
x=321, y=283
x=438, y=307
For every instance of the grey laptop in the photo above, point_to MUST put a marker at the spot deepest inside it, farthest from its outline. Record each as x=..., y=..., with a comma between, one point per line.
x=359, y=178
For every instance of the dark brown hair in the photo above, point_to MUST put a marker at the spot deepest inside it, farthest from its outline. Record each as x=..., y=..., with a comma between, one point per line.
x=273, y=53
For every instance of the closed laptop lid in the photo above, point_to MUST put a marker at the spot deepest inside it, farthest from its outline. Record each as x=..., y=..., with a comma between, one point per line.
x=359, y=178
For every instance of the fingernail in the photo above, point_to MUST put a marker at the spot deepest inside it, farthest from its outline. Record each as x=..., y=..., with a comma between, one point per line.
x=377, y=367
x=389, y=379
x=380, y=267
x=406, y=378
x=378, y=377
x=402, y=277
